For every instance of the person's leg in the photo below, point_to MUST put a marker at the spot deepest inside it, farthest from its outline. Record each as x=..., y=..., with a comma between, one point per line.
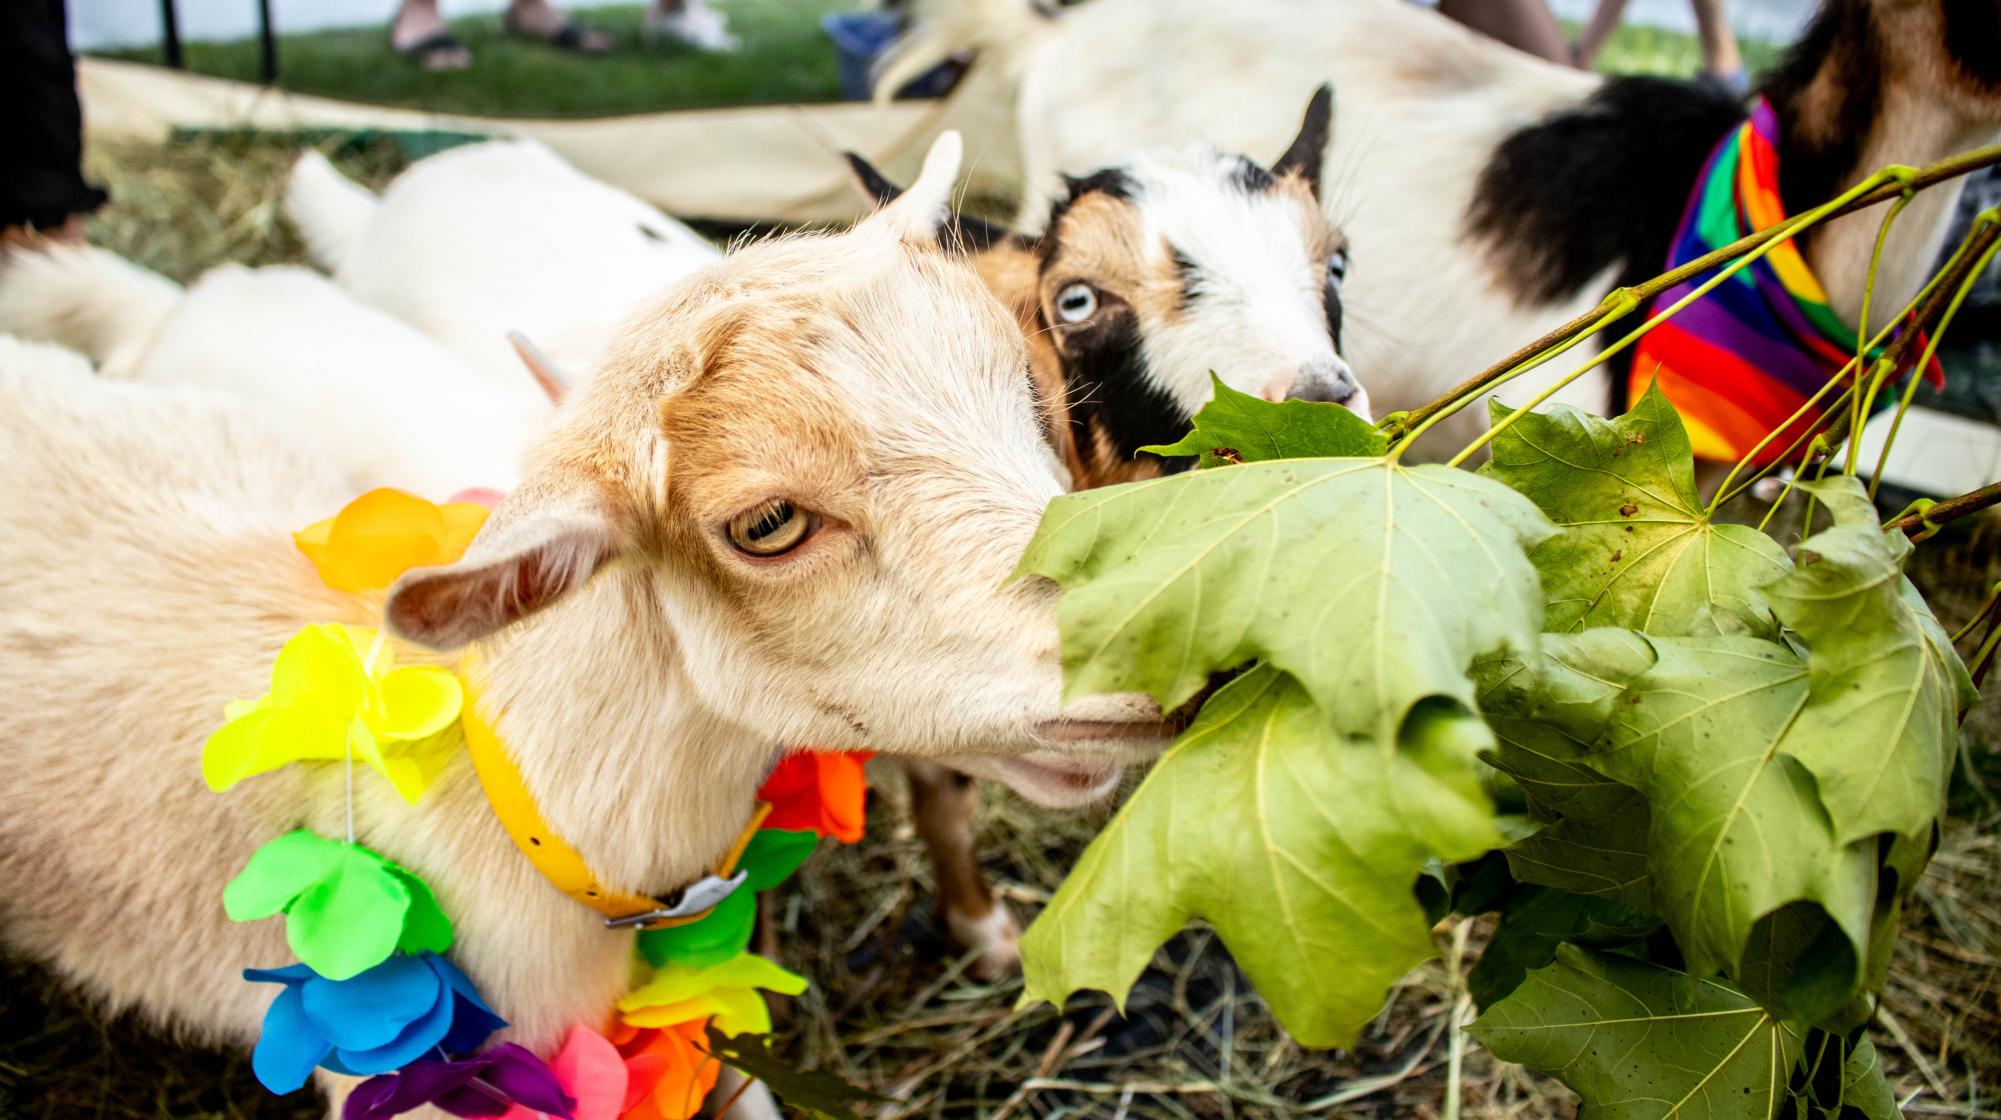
x=539, y=19
x=1604, y=21
x=420, y=31
x=1719, y=44
x=1526, y=25
x=42, y=190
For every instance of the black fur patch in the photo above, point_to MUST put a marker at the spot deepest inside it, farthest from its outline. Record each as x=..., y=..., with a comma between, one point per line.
x=1250, y=178
x=1813, y=160
x=1973, y=39
x=1601, y=183
x=1330, y=297
x=1105, y=376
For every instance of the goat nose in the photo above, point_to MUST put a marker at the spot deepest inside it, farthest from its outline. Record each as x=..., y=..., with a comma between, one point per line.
x=1330, y=380
x=1323, y=379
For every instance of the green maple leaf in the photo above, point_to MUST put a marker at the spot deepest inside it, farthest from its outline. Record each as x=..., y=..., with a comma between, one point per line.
x=1863, y=1086
x=1534, y=921
x=1641, y=1042
x=1745, y=864
x=1239, y=428
x=1298, y=847
x=1594, y=836
x=1886, y=687
x=816, y=1093
x=1636, y=549
x=1372, y=584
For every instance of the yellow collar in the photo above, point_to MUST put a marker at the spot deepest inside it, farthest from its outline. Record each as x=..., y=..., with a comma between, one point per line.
x=563, y=865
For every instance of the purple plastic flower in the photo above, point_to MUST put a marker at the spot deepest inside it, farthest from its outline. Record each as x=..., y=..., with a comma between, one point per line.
x=483, y=1085
x=374, y=1022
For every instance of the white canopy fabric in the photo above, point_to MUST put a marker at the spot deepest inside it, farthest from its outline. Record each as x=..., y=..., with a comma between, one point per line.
x=752, y=163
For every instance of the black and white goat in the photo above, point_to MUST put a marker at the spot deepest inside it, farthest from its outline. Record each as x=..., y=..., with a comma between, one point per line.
x=1150, y=274
x=1490, y=195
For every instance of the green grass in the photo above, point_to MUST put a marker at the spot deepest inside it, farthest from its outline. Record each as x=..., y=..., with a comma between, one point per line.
x=785, y=58
x=1650, y=50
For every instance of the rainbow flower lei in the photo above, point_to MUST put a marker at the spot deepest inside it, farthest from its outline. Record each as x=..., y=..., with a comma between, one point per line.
x=373, y=993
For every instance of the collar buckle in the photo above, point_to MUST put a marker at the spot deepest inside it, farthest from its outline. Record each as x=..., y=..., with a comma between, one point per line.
x=696, y=900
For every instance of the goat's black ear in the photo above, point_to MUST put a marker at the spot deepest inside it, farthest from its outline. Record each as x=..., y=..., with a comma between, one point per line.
x=1309, y=148
x=954, y=230
x=874, y=185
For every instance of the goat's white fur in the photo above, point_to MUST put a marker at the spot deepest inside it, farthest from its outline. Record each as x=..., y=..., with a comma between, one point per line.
x=495, y=237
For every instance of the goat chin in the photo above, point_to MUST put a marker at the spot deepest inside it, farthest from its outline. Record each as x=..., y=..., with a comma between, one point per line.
x=1091, y=744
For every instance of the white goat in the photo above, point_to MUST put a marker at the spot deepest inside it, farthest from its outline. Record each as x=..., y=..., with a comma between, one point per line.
x=644, y=657
x=1580, y=178
x=492, y=238
x=393, y=407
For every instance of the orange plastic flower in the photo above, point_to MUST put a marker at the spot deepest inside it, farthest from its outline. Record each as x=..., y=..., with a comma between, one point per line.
x=383, y=534
x=824, y=791
x=669, y=1072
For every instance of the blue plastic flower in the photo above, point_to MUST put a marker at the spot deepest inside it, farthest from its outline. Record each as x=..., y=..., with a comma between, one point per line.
x=374, y=1022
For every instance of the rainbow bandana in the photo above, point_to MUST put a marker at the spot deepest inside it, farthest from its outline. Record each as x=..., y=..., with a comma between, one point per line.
x=1740, y=361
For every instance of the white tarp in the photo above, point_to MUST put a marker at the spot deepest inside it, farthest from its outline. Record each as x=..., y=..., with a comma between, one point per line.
x=767, y=162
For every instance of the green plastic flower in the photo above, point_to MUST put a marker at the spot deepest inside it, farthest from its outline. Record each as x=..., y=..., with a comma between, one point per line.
x=346, y=908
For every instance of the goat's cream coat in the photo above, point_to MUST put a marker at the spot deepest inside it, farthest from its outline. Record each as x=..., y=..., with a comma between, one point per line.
x=502, y=236
x=1421, y=104
x=394, y=407
x=147, y=576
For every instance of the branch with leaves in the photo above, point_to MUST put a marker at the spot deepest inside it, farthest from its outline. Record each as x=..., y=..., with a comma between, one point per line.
x=1733, y=760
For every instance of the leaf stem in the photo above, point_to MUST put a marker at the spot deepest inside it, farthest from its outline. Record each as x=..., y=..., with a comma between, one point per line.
x=1858, y=408
x=1930, y=303
x=1988, y=230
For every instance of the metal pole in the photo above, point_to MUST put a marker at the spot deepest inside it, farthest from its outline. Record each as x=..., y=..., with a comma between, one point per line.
x=267, y=43
x=170, y=34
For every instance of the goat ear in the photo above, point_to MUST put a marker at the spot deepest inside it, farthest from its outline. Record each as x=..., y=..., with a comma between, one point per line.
x=1309, y=149
x=955, y=231
x=874, y=185
x=555, y=383
x=543, y=542
x=916, y=214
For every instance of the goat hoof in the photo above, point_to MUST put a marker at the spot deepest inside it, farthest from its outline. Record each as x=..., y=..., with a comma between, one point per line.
x=995, y=936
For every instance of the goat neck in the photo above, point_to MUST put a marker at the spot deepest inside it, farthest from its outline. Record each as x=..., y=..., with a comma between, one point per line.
x=1874, y=83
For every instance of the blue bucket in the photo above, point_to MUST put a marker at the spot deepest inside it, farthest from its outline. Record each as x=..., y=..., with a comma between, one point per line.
x=860, y=38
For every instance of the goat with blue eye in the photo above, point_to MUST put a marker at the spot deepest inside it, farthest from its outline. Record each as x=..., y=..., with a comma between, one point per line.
x=1150, y=275
x=1146, y=277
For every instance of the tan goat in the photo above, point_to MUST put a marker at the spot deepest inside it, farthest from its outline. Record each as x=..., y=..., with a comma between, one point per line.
x=739, y=535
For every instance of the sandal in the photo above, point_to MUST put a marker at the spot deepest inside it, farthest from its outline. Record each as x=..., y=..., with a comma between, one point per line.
x=575, y=35
x=440, y=50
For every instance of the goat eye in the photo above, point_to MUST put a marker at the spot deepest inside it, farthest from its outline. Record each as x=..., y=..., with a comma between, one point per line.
x=1337, y=267
x=1076, y=302
x=771, y=528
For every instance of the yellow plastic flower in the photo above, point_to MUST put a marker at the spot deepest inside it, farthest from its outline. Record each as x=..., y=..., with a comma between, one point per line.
x=676, y=994
x=383, y=534
x=336, y=689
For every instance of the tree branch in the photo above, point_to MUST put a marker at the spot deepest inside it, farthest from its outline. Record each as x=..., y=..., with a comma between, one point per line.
x=1950, y=510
